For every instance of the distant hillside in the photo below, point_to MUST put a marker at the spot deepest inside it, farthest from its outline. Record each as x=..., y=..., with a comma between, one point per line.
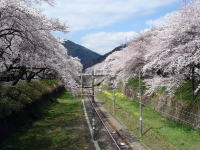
x=103, y=57
x=86, y=55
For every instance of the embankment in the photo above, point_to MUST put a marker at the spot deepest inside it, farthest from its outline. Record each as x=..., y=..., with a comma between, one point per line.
x=23, y=103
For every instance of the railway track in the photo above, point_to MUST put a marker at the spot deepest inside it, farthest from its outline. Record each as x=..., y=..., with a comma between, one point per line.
x=120, y=142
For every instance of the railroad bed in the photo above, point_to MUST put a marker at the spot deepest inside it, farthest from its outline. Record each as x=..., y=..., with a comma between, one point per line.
x=114, y=136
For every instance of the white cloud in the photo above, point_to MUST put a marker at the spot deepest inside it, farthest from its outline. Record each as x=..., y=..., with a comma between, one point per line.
x=92, y=14
x=160, y=21
x=103, y=42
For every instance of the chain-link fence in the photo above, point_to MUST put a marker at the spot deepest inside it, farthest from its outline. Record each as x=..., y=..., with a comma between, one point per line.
x=159, y=131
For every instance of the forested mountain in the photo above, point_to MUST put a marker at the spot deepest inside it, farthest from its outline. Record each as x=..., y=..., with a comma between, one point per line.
x=103, y=57
x=86, y=56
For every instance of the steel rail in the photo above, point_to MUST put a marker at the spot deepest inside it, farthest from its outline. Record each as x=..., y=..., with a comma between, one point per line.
x=105, y=126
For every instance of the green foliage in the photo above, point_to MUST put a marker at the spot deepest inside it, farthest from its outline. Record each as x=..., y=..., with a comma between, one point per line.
x=28, y=89
x=13, y=93
x=161, y=90
x=132, y=87
x=134, y=82
x=65, y=96
x=5, y=109
x=184, y=92
x=50, y=82
x=13, y=99
x=24, y=99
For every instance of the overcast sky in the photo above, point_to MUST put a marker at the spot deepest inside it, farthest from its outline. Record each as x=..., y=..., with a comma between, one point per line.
x=101, y=25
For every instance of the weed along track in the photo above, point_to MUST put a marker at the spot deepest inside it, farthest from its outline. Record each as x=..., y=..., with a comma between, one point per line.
x=118, y=140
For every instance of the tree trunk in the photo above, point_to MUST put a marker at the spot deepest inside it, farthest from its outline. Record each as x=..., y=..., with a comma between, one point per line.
x=30, y=77
x=21, y=74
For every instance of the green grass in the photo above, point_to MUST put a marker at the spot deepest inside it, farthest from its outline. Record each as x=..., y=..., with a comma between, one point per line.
x=63, y=127
x=159, y=132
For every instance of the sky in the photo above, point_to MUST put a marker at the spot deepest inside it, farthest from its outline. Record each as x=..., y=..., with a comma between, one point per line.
x=102, y=25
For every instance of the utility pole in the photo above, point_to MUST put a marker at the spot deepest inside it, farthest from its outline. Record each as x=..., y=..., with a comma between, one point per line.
x=114, y=98
x=140, y=105
x=82, y=85
x=93, y=96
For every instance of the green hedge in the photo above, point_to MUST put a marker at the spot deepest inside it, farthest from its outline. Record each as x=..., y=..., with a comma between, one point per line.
x=13, y=99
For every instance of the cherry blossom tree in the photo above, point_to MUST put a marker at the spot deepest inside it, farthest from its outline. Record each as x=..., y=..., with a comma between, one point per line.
x=175, y=49
x=27, y=45
x=169, y=52
x=129, y=61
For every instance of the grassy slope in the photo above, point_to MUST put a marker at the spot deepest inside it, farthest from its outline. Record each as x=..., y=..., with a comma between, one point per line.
x=14, y=99
x=63, y=127
x=160, y=133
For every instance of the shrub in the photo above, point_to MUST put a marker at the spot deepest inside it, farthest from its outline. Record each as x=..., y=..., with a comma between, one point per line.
x=15, y=99
x=184, y=92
